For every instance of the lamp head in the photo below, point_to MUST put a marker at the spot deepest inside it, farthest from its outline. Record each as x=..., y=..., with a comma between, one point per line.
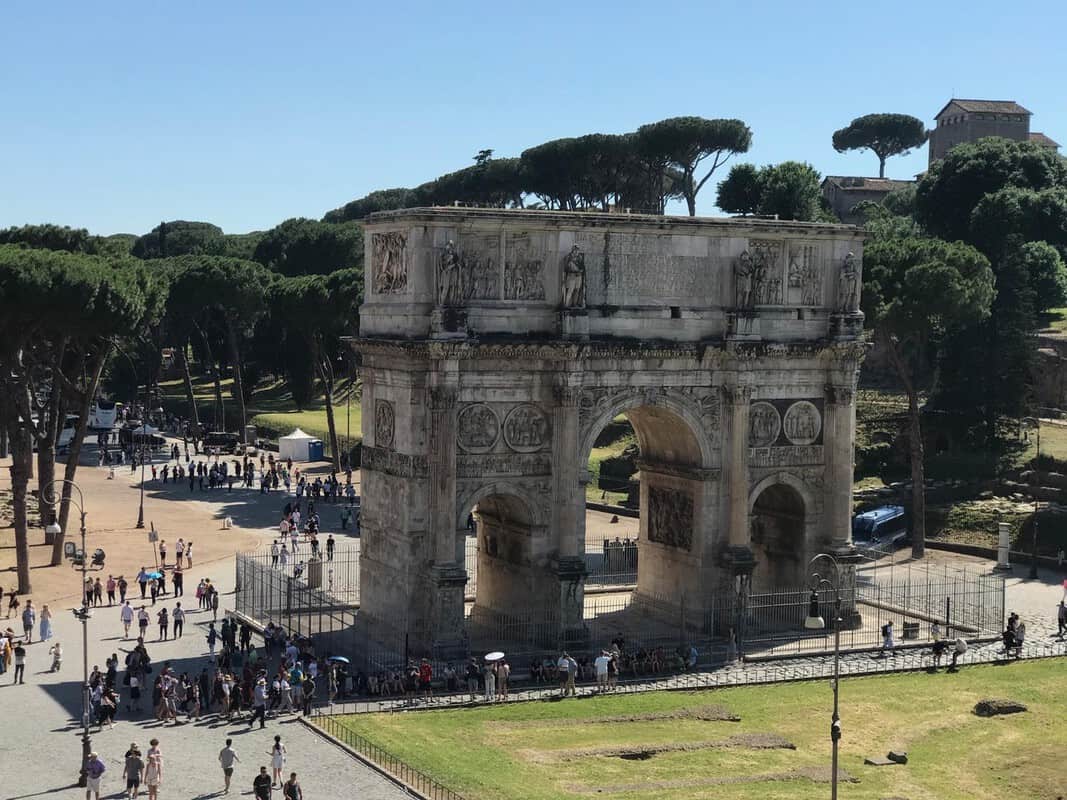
x=53, y=529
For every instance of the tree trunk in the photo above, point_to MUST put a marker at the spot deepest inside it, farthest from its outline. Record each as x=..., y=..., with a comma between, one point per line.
x=881, y=166
x=47, y=435
x=238, y=382
x=74, y=454
x=326, y=375
x=916, y=452
x=194, y=413
x=209, y=359
x=21, y=472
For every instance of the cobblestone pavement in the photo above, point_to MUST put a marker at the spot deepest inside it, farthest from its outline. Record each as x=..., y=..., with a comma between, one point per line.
x=42, y=718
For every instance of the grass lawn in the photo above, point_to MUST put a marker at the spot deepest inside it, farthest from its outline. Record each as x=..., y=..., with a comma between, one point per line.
x=1055, y=320
x=538, y=751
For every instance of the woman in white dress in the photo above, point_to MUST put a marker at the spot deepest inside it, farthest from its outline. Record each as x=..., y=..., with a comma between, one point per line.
x=153, y=772
x=277, y=760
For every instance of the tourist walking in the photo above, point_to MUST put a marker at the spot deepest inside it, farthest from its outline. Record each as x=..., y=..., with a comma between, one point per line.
x=133, y=771
x=212, y=638
x=887, y=638
x=1061, y=619
x=46, y=623
x=56, y=651
x=20, y=663
x=142, y=580
x=178, y=620
x=227, y=758
x=94, y=773
x=278, y=757
x=126, y=615
x=111, y=586
x=259, y=704
x=153, y=773
x=29, y=618
x=261, y=785
x=291, y=790
x=142, y=621
x=164, y=623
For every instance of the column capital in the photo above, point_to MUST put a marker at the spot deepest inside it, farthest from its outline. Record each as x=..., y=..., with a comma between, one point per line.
x=737, y=394
x=442, y=398
x=566, y=396
x=840, y=395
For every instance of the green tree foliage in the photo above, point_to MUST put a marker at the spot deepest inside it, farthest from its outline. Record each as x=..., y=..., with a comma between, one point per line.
x=316, y=311
x=1005, y=198
x=741, y=191
x=61, y=309
x=303, y=246
x=491, y=182
x=885, y=135
x=687, y=144
x=180, y=238
x=381, y=200
x=915, y=289
x=789, y=190
x=51, y=237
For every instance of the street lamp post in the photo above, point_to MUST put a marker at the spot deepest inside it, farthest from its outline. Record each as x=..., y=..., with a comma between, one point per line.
x=1035, y=423
x=814, y=621
x=144, y=426
x=82, y=614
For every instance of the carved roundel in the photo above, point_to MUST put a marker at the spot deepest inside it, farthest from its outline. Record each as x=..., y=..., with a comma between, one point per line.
x=802, y=423
x=477, y=428
x=526, y=428
x=764, y=424
x=384, y=424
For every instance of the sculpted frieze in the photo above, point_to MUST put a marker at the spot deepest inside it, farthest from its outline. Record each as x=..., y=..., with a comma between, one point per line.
x=670, y=517
x=804, y=274
x=764, y=424
x=848, y=290
x=524, y=265
x=802, y=423
x=391, y=462
x=494, y=465
x=786, y=456
x=526, y=428
x=384, y=424
x=477, y=428
x=389, y=262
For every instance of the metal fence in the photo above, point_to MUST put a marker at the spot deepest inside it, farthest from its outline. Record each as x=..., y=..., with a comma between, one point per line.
x=419, y=782
x=614, y=566
x=656, y=632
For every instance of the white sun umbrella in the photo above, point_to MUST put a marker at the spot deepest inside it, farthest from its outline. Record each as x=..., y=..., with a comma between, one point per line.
x=496, y=655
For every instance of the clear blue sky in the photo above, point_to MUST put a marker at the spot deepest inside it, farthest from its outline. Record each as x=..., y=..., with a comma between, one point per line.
x=118, y=115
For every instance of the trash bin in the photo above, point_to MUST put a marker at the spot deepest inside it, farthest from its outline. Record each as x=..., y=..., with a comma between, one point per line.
x=911, y=630
x=314, y=573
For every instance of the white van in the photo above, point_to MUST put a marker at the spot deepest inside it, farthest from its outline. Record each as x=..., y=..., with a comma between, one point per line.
x=102, y=415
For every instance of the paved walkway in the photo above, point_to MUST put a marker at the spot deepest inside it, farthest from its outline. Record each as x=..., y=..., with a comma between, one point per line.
x=41, y=745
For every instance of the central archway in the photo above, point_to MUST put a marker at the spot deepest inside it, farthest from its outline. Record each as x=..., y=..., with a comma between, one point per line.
x=671, y=535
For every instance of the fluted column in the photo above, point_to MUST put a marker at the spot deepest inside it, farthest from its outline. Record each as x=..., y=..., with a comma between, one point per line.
x=735, y=464
x=839, y=436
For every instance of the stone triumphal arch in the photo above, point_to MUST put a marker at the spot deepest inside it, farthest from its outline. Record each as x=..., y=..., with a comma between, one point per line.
x=497, y=344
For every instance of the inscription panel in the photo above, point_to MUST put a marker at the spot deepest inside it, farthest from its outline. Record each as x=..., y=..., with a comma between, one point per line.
x=622, y=268
x=476, y=466
x=786, y=456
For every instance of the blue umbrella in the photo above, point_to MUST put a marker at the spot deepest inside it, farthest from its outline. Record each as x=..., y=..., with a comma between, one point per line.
x=156, y=575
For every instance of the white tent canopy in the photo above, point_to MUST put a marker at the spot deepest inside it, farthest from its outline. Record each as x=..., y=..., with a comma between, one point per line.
x=296, y=446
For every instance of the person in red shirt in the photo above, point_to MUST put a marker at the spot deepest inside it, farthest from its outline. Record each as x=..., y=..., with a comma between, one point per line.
x=425, y=678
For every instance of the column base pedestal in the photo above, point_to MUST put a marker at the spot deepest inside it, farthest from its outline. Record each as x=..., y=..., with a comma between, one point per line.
x=450, y=635
x=448, y=323
x=574, y=324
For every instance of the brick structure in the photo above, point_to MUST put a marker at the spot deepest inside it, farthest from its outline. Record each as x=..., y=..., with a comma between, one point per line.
x=969, y=120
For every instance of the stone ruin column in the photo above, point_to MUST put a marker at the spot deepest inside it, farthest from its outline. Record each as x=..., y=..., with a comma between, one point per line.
x=570, y=561
x=448, y=574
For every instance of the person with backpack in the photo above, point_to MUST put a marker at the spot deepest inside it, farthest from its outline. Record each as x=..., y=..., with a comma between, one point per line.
x=887, y=638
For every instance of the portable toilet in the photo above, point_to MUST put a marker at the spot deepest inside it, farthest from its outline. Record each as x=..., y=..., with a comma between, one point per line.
x=315, y=450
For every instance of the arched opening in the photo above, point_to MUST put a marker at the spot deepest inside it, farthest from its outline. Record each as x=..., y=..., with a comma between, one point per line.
x=513, y=585
x=778, y=539
x=645, y=557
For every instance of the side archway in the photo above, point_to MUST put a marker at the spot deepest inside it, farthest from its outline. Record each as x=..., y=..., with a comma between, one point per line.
x=780, y=513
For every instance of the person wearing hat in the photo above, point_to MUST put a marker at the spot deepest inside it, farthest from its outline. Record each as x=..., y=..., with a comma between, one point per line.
x=133, y=772
x=259, y=704
x=94, y=771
